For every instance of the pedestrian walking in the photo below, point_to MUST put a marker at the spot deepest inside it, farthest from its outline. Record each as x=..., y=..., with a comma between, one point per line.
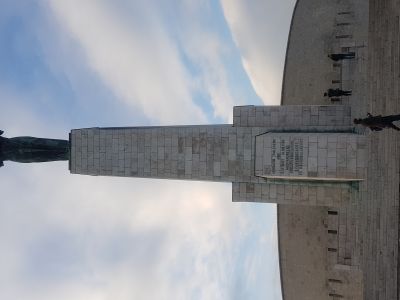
x=341, y=56
x=337, y=93
x=378, y=123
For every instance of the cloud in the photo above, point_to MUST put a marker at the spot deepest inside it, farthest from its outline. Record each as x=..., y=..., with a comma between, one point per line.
x=207, y=49
x=17, y=116
x=260, y=31
x=140, y=64
x=116, y=235
x=158, y=59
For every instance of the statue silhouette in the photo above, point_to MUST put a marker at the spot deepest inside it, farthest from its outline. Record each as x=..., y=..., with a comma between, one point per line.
x=26, y=149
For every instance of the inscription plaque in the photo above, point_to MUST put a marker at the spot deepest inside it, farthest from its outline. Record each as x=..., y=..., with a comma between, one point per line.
x=287, y=156
x=282, y=155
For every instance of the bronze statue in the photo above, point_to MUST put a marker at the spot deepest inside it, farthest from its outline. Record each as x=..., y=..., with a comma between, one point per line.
x=26, y=149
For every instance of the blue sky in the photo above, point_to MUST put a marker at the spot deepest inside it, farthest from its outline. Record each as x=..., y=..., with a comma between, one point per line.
x=72, y=64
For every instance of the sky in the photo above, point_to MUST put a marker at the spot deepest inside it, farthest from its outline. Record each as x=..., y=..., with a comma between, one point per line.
x=68, y=64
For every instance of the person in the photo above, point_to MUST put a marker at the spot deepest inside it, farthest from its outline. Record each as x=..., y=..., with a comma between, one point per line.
x=26, y=149
x=341, y=56
x=337, y=93
x=378, y=123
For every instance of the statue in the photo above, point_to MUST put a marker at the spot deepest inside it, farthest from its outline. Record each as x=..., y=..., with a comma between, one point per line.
x=26, y=149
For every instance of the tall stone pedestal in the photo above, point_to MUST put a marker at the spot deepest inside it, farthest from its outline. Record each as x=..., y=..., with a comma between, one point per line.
x=280, y=154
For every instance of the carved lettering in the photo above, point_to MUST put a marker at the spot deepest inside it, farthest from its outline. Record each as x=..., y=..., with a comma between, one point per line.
x=287, y=156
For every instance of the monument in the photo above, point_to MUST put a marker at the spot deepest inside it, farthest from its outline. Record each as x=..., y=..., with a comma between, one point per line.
x=280, y=154
x=339, y=237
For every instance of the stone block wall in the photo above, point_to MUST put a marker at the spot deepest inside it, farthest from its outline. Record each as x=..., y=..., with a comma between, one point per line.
x=214, y=152
x=333, y=195
x=231, y=153
x=322, y=156
x=345, y=282
x=294, y=117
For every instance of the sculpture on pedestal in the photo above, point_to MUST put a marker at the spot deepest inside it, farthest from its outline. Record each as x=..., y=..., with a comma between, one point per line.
x=26, y=149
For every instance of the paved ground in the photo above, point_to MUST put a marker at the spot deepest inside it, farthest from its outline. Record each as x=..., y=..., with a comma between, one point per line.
x=369, y=226
x=381, y=214
x=372, y=221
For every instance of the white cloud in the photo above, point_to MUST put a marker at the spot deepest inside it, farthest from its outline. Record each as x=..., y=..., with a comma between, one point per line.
x=140, y=61
x=206, y=50
x=93, y=211
x=140, y=65
x=260, y=30
x=16, y=117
